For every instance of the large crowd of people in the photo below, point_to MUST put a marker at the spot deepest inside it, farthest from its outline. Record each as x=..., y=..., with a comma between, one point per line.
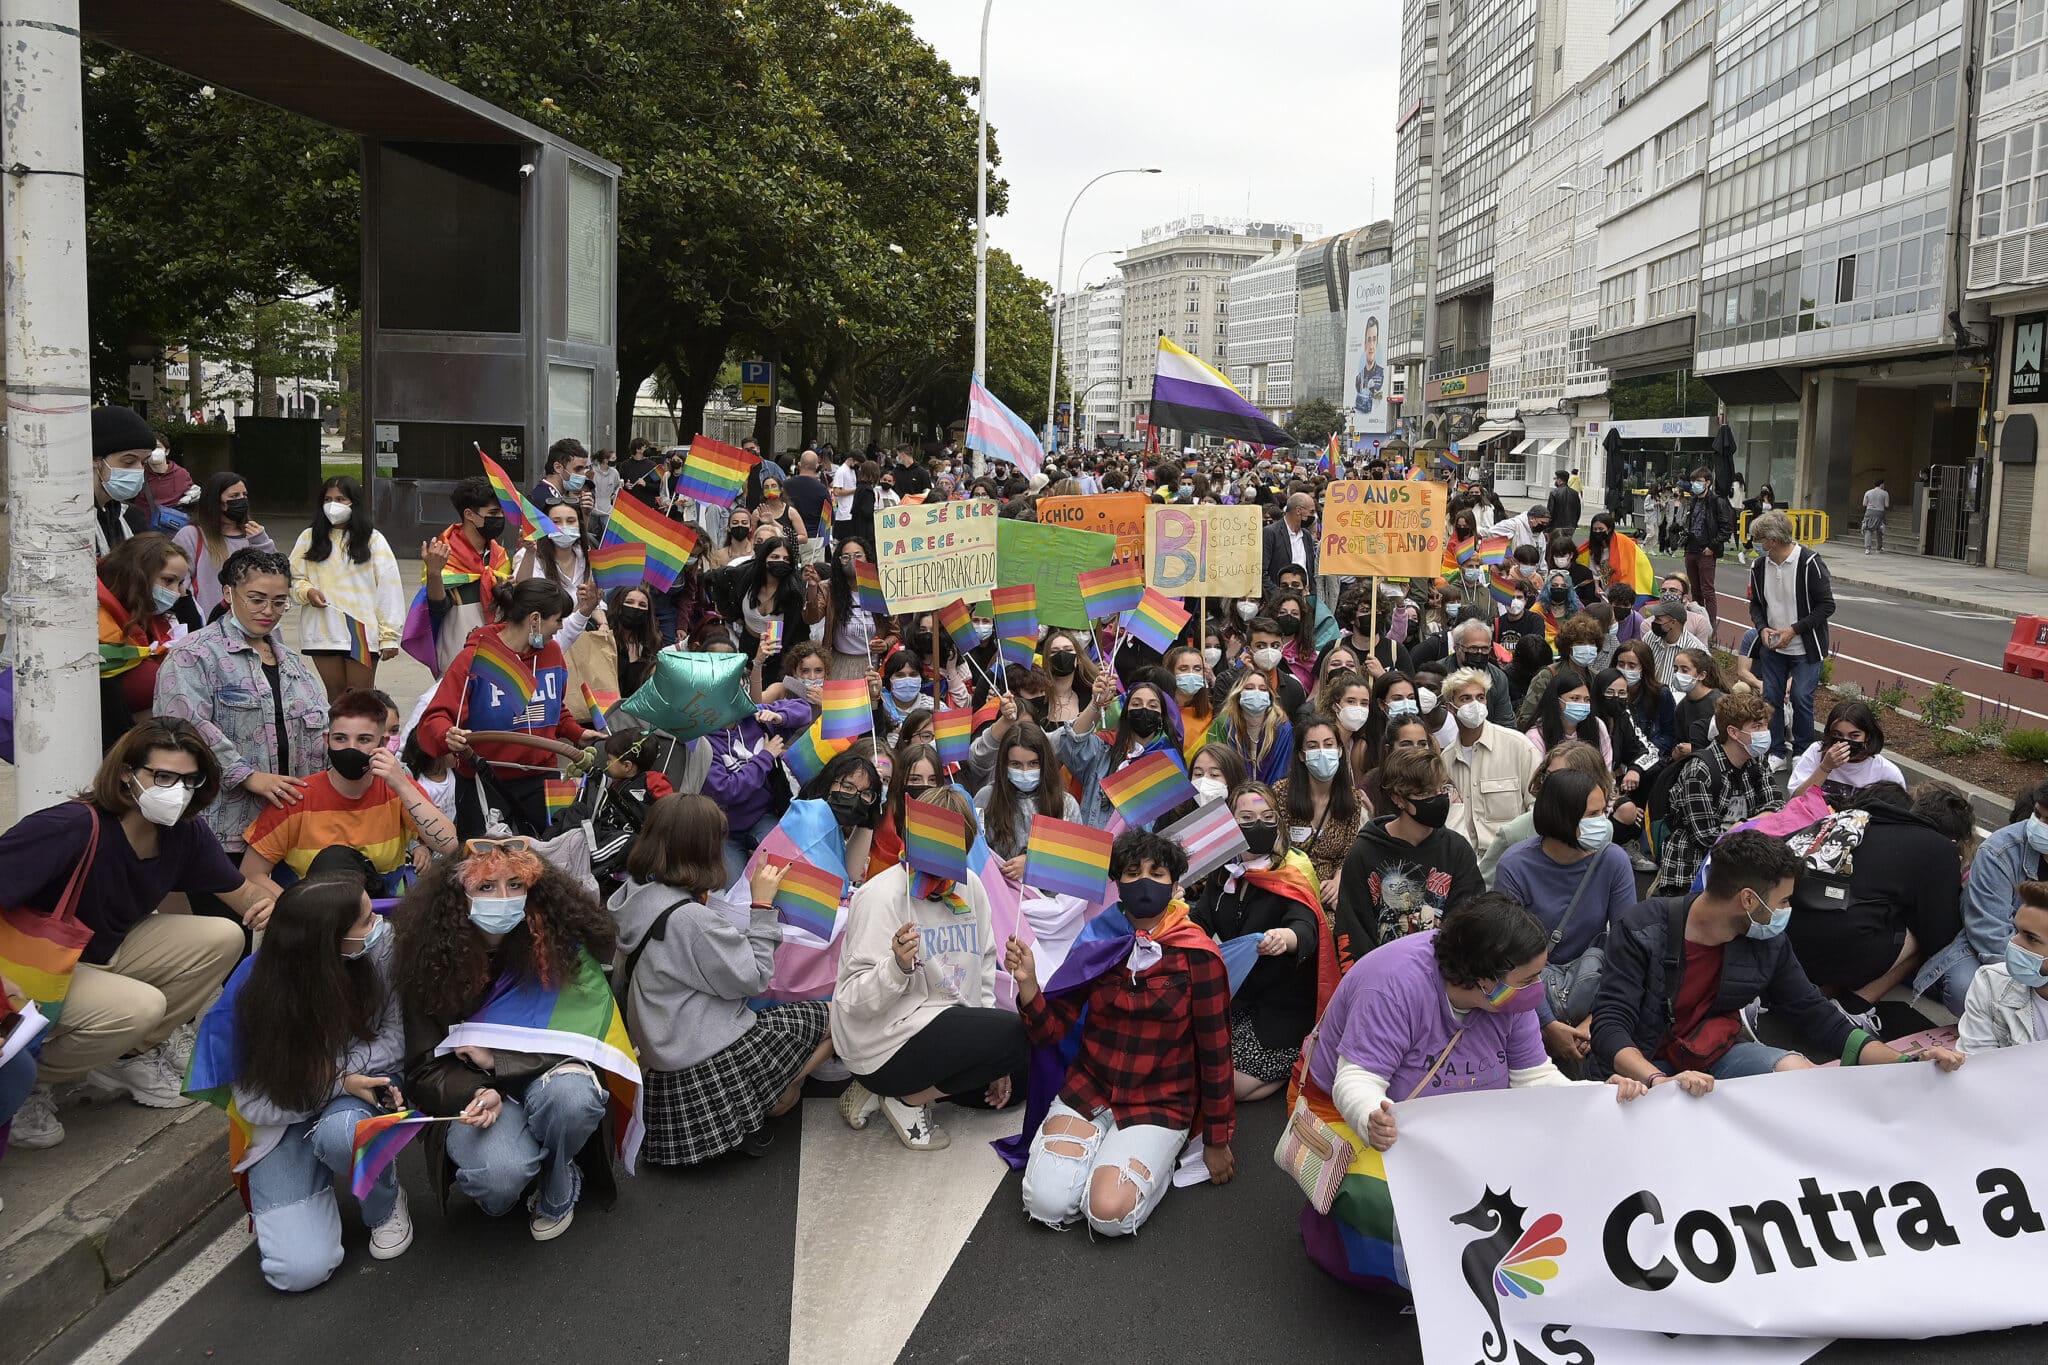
x=1525, y=821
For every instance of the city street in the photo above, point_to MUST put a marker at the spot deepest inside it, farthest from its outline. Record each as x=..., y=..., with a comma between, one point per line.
x=838, y=1246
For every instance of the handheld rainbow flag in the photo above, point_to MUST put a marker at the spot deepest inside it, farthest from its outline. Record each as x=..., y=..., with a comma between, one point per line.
x=935, y=840
x=560, y=793
x=1157, y=620
x=867, y=587
x=619, y=564
x=379, y=1140
x=669, y=544
x=1015, y=609
x=600, y=704
x=988, y=712
x=118, y=659
x=1329, y=460
x=1149, y=788
x=1066, y=858
x=1111, y=591
x=957, y=621
x=808, y=899
x=771, y=638
x=953, y=731
x=811, y=751
x=846, y=714
x=495, y=664
x=715, y=472
x=533, y=522
x=361, y=648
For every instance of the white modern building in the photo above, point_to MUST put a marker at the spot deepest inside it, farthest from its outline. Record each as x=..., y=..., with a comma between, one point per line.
x=1264, y=302
x=1410, y=314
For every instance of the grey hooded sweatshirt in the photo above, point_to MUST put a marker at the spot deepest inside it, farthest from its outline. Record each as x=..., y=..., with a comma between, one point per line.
x=688, y=998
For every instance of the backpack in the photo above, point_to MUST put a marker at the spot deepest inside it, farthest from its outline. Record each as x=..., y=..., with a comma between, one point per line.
x=1656, y=802
x=1827, y=852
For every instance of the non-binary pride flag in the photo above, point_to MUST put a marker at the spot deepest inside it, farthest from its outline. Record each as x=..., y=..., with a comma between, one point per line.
x=1157, y=620
x=1000, y=434
x=807, y=898
x=1066, y=858
x=1189, y=396
x=619, y=564
x=669, y=544
x=846, y=714
x=935, y=840
x=1149, y=788
x=715, y=472
x=1113, y=590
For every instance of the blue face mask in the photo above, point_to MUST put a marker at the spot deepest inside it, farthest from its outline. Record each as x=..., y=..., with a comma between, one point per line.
x=1595, y=833
x=1698, y=487
x=497, y=914
x=2037, y=834
x=1576, y=711
x=122, y=484
x=2025, y=967
x=1583, y=655
x=1779, y=919
x=1025, y=779
x=376, y=935
x=905, y=690
x=1322, y=763
x=1760, y=744
x=1255, y=702
x=572, y=482
x=1187, y=684
x=1405, y=706
x=536, y=640
x=164, y=598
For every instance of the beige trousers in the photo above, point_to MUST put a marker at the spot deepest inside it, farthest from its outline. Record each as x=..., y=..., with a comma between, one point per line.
x=158, y=978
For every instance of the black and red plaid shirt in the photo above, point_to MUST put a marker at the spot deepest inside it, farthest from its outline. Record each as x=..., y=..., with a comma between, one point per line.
x=1154, y=1050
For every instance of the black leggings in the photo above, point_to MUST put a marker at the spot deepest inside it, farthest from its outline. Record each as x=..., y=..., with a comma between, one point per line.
x=960, y=1053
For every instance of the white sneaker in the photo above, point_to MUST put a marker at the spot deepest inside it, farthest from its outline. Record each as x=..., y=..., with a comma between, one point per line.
x=35, y=1123
x=914, y=1126
x=546, y=1229
x=390, y=1238
x=857, y=1104
x=143, y=1078
x=176, y=1050
x=1778, y=762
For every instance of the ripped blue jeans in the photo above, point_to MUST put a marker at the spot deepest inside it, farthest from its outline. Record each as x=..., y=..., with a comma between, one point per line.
x=291, y=1196
x=1060, y=1177
x=537, y=1136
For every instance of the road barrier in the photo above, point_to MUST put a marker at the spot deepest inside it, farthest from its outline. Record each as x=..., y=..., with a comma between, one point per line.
x=1809, y=525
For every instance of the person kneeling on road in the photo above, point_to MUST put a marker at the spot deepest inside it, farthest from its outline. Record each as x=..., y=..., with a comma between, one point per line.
x=1680, y=969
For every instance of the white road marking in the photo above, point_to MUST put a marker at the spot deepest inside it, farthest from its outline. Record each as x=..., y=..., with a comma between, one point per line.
x=1964, y=616
x=125, y=1337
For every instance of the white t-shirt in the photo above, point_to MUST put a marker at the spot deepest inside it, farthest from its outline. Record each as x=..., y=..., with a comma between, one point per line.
x=1862, y=773
x=1781, y=600
x=843, y=481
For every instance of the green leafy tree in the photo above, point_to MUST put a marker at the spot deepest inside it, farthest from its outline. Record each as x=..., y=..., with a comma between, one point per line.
x=1314, y=421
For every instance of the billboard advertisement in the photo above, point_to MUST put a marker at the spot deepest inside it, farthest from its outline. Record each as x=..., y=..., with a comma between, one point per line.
x=1366, y=385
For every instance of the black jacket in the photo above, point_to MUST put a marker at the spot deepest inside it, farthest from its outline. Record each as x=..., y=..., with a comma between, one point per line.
x=1813, y=597
x=1563, y=503
x=1277, y=552
x=1641, y=980
x=1709, y=521
x=1280, y=992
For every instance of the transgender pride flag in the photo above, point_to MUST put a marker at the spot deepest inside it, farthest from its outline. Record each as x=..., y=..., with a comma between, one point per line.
x=1000, y=434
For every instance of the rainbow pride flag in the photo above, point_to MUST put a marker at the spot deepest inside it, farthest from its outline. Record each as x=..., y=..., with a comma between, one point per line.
x=808, y=899
x=867, y=587
x=668, y=544
x=935, y=840
x=619, y=564
x=1066, y=858
x=361, y=647
x=560, y=793
x=216, y=1064
x=846, y=714
x=532, y=522
x=600, y=704
x=577, y=1019
x=379, y=1140
x=1148, y=788
x=1626, y=563
x=988, y=712
x=715, y=472
x=118, y=659
x=953, y=731
x=1157, y=620
x=957, y=621
x=1015, y=609
x=499, y=666
x=1111, y=591
x=771, y=638
x=811, y=751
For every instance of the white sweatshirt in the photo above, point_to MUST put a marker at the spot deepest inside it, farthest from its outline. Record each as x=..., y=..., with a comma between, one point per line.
x=877, y=1006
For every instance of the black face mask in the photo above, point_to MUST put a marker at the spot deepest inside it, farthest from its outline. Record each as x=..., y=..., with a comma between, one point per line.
x=632, y=618
x=1260, y=838
x=921, y=641
x=1062, y=663
x=1289, y=625
x=235, y=509
x=851, y=809
x=1433, y=811
x=1143, y=898
x=348, y=763
x=493, y=527
x=778, y=568
x=1559, y=594
x=736, y=534
x=1145, y=724
x=1036, y=708
x=1857, y=748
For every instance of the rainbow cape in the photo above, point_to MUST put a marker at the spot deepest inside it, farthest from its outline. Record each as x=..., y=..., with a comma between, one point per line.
x=118, y=659
x=1626, y=563
x=578, y=1019
x=216, y=1062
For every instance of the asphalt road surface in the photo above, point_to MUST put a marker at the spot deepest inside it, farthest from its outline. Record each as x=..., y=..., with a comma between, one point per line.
x=836, y=1247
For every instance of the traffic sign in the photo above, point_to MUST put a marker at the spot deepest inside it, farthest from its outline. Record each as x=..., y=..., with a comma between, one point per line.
x=757, y=383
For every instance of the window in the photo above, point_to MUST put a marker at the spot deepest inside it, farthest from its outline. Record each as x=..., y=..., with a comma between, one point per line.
x=1674, y=285
x=589, y=266
x=1624, y=185
x=1632, y=72
x=1618, y=302
x=2014, y=51
x=1687, y=29
x=1681, y=150
x=1845, y=279
x=2010, y=196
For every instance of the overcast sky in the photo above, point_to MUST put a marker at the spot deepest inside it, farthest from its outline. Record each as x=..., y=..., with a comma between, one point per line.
x=1283, y=108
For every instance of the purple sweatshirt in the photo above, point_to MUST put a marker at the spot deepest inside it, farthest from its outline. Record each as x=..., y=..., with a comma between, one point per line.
x=738, y=777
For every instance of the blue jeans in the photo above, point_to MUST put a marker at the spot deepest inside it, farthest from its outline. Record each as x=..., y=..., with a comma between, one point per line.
x=1803, y=673
x=291, y=1195
x=1948, y=973
x=539, y=1136
x=1744, y=1059
x=740, y=846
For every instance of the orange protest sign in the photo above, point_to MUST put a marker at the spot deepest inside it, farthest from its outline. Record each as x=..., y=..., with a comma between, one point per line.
x=1118, y=514
x=1383, y=529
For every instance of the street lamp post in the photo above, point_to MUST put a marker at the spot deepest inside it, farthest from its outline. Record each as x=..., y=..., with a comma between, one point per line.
x=981, y=218
x=1571, y=266
x=1052, y=378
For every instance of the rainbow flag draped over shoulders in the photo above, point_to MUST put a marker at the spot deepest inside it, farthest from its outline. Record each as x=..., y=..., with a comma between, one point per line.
x=118, y=659
x=578, y=1019
x=1626, y=563
x=216, y=1063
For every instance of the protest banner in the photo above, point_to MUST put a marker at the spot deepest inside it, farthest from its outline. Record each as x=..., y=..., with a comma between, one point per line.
x=1051, y=558
x=929, y=554
x=1378, y=528
x=1883, y=1201
x=1203, y=551
x=1116, y=514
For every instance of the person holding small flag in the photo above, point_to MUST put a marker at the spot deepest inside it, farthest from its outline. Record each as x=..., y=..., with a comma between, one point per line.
x=463, y=569
x=1145, y=726
x=346, y=578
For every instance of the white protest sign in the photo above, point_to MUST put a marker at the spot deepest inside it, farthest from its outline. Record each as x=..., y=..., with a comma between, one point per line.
x=1895, y=1201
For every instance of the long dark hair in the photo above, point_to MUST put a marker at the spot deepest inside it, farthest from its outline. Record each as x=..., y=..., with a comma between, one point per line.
x=303, y=1002
x=1004, y=800
x=529, y=596
x=842, y=585
x=206, y=512
x=646, y=636
x=359, y=527
x=1550, y=720
x=900, y=764
x=1301, y=801
x=1169, y=715
x=441, y=963
x=789, y=594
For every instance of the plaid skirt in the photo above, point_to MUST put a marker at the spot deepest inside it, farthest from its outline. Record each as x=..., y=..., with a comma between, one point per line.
x=703, y=1112
x=1251, y=1056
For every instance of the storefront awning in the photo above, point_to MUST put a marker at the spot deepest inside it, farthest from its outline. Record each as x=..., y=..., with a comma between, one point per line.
x=1492, y=431
x=1526, y=448
x=1551, y=446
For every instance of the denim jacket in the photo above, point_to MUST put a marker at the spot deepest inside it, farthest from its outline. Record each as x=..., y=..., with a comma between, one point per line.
x=214, y=678
x=1990, y=897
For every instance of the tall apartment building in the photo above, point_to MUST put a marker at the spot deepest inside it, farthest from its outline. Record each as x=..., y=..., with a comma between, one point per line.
x=1260, y=338
x=1289, y=314
x=1829, y=231
x=1091, y=350
x=1412, y=231
x=2008, y=271
x=1543, y=383
x=1176, y=282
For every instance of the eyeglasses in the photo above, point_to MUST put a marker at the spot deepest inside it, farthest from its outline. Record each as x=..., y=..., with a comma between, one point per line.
x=164, y=777
x=846, y=785
x=518, y=843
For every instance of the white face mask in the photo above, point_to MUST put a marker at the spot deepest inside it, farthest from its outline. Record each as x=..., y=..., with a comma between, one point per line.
x=1353, y=718
x=1210, y=789
x=1472, y=715
x=1425, y=700
x=1247, y=610
x=337, y=513
x=1212, y=656
x=161, y=805
x=1267, y=658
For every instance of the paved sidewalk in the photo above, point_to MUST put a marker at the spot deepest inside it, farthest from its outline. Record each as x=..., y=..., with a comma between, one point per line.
x=1944, y=582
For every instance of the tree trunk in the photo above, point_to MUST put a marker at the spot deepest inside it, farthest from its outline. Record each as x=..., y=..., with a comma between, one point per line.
x=635, y=365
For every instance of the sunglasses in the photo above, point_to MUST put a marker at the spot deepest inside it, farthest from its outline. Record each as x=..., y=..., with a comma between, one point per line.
x=518, y=843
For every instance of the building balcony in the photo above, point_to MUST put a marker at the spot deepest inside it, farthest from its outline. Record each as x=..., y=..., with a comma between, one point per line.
x=1450, y=363
x=1649, y=349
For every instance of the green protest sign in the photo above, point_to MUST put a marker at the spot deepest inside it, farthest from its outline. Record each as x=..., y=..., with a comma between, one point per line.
x=1050, y=558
